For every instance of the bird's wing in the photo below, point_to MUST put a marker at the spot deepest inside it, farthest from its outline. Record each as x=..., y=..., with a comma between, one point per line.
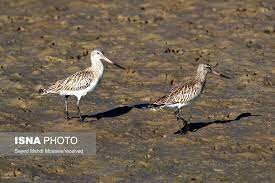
x=177, y=93
x=77, y=81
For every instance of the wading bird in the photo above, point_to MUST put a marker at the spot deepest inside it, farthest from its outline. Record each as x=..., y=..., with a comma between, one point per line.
x=184, y=93
x=80, y=83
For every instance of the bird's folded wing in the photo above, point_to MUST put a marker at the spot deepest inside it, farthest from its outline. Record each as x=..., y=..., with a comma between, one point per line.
x=77, y=81
x=176, y=93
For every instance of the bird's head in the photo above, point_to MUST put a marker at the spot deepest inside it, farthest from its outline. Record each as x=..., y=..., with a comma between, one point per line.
x=206, y=68
x=97, y=54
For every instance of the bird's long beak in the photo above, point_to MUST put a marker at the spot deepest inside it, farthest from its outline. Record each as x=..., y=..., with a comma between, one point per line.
x=219, y=74
x=111, y=62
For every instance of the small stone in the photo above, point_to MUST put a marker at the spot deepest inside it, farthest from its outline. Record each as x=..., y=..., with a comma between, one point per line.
x=56, y=17
x=16, y=173
x=256, y=73
x=267, y=81
x=20, y=29
x=147, y=156
x=267, y=31
x=168, y=50
x=35, y=177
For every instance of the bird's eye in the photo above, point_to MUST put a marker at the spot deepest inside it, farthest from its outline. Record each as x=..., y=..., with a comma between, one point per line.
x=97, y=52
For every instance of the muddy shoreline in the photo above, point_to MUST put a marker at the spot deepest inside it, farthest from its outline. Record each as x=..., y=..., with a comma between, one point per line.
x=231, y=138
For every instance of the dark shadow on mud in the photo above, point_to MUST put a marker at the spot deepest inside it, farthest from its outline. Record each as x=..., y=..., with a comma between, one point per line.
x=193, y=127
x=118, y=111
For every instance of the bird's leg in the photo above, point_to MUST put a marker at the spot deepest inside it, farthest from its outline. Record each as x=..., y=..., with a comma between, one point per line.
x=189, y=117
x=67, y=117
x=183, y=124
x=78, y=110
x=178, y=118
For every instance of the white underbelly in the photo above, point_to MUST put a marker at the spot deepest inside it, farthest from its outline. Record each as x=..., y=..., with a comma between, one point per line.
x=176, y=105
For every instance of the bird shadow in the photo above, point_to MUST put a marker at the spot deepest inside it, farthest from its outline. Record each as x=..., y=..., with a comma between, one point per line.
x=193, y=127
x=118, y=111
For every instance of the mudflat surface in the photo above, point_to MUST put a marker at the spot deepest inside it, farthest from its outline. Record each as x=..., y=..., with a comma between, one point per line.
x=231, y=135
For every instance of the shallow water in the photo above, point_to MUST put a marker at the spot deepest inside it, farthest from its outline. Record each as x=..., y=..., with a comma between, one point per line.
x=161, y=43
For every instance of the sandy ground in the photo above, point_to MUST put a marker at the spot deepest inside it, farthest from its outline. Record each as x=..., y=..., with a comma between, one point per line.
x=231, y=135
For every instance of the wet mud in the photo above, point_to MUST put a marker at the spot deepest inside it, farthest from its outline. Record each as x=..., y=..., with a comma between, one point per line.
x=231, y=132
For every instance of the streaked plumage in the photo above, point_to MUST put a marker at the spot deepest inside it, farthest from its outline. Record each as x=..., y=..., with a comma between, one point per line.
x=82, y=82
x=78, y=81
x=181, y=94
x=184, y=93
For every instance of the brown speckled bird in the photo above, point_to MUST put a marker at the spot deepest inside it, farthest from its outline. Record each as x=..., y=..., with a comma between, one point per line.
x=184, y=93
x=80, y=83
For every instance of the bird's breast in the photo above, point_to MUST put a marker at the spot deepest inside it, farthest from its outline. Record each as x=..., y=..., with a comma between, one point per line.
x=99, y=74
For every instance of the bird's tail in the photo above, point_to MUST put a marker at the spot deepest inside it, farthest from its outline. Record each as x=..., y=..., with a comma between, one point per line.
x=43, y=91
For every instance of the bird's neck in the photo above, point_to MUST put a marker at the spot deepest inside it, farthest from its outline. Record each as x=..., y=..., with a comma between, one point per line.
x=97, y=68
x=96, y=64
x=201, y=77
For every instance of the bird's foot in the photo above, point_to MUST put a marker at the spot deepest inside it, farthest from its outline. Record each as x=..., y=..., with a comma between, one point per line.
x=67, y=117
x=82, y=120
x=181, y=118
x=94, y=118
x=183, y=125
x=184, y=129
